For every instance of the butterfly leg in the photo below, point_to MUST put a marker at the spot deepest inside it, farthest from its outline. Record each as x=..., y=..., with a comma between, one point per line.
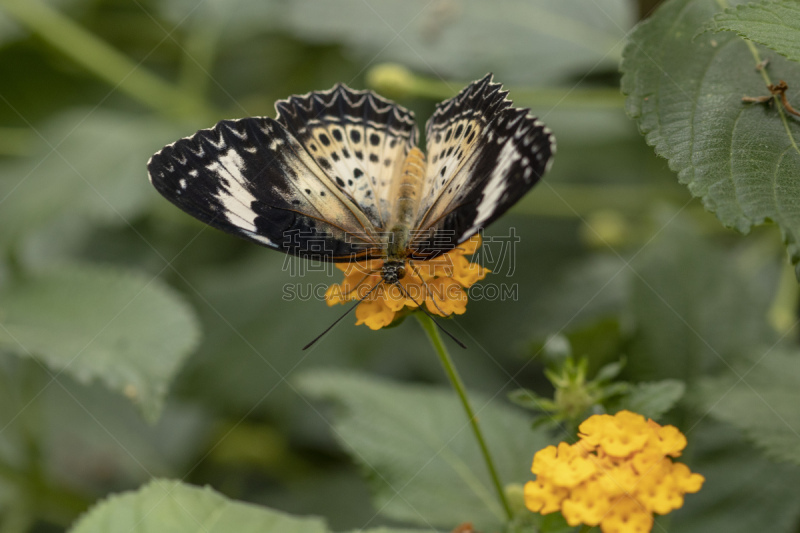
x=425, y=285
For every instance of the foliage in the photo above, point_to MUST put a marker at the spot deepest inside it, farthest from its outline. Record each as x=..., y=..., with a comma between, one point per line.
x=187, y=508
x=756, y=397
x=773, y=24
x=143, y=355
x=129, y=331
x=740, y=158
x=576, y=397
x=399, y=435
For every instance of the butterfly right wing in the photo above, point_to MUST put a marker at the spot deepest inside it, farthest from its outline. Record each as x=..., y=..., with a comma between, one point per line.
x=252, y=178
x=484, y=155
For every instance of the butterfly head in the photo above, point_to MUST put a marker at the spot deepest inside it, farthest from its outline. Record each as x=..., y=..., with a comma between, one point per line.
x=393, y=271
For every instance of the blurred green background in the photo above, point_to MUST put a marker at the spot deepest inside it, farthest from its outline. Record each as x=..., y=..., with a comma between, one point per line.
x=612, y=251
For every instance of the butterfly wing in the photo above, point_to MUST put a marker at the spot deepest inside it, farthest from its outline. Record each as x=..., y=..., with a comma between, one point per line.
x=484, y=155
x=254, y=178
x=358, y=137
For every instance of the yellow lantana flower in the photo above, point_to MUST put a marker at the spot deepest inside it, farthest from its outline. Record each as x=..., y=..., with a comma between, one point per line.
x=439, y=283
x=616, y=476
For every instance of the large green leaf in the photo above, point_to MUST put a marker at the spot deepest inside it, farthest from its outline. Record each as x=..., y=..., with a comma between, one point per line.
x=10, y=30
x=166, y=506
x=697, y=307
x=170, y=506
x=89, y=164
x=417, y=447
x=761, y=400
x=652, y=399
x=127, y=330
x=580, y=295
x=685, y=89
x=245, y=19
x=521, y=42
x=393, y=530
x=773, y=24
x=743, y=491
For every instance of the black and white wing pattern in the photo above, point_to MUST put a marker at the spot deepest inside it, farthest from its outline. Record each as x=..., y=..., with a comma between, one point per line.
x=313, y=183
x=483, y=156
x=359, y=138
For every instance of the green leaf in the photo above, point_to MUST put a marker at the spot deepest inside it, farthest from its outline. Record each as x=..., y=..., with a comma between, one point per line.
x=521, y=42
x=90, y=164
x=392, y=530
x=743, y=491
x=250, y=16
x=761, y=400
x=421, y=456
x=685, y=89
x=773, y=24
x=609, y=371
x=585, y=296
x=11, y=31
x=170, y=506
x=651, y=400
x=528, y=399
x=697, y=307
x=127, y=330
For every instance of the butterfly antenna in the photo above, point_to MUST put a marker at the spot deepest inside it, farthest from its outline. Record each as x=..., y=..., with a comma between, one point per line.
x=318, y=337
x=402, y=290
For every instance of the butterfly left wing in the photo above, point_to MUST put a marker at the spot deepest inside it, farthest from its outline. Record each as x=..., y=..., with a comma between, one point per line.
x=360, y=138
x=252, y=178
x=484, y=155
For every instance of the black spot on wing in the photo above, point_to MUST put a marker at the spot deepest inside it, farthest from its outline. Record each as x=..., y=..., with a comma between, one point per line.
x=353, y=130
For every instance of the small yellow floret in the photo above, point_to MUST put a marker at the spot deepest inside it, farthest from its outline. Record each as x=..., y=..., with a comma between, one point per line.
x=544, y=497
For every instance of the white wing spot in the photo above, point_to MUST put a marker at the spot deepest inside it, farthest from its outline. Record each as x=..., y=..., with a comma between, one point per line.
x=494, y=189
x=260, y=238
x=199, y=153
x=220, y=144
x=240, y=134
x=235, y=198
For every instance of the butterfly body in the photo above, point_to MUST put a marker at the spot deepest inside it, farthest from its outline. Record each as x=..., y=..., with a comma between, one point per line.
x=338, y=176
x=398, y=237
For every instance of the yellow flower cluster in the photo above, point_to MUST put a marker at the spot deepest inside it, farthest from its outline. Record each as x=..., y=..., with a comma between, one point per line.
x=439, y=283
x=617, y=475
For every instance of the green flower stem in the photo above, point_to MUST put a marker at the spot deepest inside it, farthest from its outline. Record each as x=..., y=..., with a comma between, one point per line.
x=16, y=141
x=783, y=311
x=560, y=200
x=105, y=62
x=458, y=385
x=56, y=504
x=398, y=81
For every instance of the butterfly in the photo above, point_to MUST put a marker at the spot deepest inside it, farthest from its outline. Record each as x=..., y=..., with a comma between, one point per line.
x=338, y=175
